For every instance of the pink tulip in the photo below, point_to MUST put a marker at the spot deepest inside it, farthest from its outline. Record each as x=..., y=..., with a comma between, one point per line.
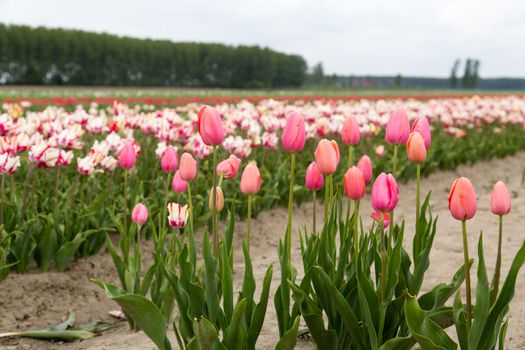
x=462, y=200
x=250, y=179
x=139, y=215
x=188, y=167
x=354, y=183
x=314, y=179
x=385, y=193
x=169, y=160
x=210, y=126
x=365, y=165
x=228, y=168
x=178, y=184
x=380, y=151
x=377, y=217
x=398, y=127
x=350, y=133
x=327, y=156
x=416, y=150
x=422, y=126
x=294, y=134
x=500, y=199
x=127, y=156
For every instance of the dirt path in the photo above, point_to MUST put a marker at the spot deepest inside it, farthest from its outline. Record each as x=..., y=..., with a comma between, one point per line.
x=35, y=300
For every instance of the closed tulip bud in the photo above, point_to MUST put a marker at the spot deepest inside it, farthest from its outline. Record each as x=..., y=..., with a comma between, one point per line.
x=178, y=184
x=500, y=199
x=127, y=156
x=327, y=156
x=228, y=168
x=416, y=150
x=422, y=126
x=139, y=215
x=210, y=126
x=177, y=215
x=462, y=199
x=377, y=217
x=350, y=133
x=314, y=179
x=294, y=134
x=354, y=183
x=219, y=199
x=398, y=127
x=385, y=193
x=188, y=167
x=250, y=179
x=169, y=160
x=380, y=151
x=365, y=165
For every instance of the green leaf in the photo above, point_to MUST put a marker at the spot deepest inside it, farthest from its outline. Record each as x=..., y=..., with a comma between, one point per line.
x=460, y=321
x=289, y=339
x=442, y=292
x=47, y=247
x=399, y=343
x=64, y=335
x=502, y=333
x=146, y=315
x=481, y=309
x=206, y=335
x=260, y=311
x=427, y=333
x=234, y=335
x=226, y=284
x=211, y=282
x=68, y=250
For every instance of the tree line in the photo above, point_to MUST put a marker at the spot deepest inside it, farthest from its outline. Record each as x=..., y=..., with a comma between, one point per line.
x=71, y=57
x=470, y=77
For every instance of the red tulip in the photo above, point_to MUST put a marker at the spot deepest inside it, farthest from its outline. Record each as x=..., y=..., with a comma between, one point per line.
x=354, y=183
x=350, y=133
x=228, y=168
x=314, y=179
x=251, y=179
x=178, y=184
x=416, y=150
x=294, y=134
x=500, y=199
x=422, y=126
x=385, y=193
x=327, y=156
x=210, y=126
x=139, y=215
x=398, y=127
x=188, y=167
x=365, y=165
x=462, y=200
x=169, y=160
x=377, y=217
x=127, y=156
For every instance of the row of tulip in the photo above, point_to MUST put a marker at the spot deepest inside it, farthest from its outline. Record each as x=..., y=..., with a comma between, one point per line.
x=62, y=177
x=343, y=301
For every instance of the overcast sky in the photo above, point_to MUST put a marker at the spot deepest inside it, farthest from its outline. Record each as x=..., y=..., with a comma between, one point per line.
x=411, y=37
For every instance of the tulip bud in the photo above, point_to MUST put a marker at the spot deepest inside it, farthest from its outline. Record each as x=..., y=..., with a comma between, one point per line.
x=385, y=193
x=219, y=199
x=314, y=179
x=250, y=179
x=365, y=165
x=210, y=126
x=354, y=183
x=500, y=199
x=294, y=134
x=398, y=127
x=127, y=156
x=422, y=126
x=178, y=184
x=377, y=217
x=416, y=150
x=177, y=215
x=169, y=160
x=188, y=167
x=380, y=151
x=350, y=133
x=139, y=215
x=462, y=199
x=327, y=156
x=228, y=168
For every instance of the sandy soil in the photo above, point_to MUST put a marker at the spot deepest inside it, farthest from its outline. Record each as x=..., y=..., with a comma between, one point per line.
x=35, y=300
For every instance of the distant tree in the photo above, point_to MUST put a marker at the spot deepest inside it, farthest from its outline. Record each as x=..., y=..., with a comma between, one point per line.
x=454, y=74
x=475, y=74
x=466, y=80
x=317, y=74
x=398, y=81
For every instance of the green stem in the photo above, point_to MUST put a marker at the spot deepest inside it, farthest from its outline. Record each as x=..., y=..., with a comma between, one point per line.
x=125, y=202
x=350, y=163
x=498, y=263
x=163, y=221
x=382, y=284
x=418, y=194
x=356, y=230
x=315, y=210
x=191, y=234
x=467, y=274
x=2, y=200
x=394, y=161
x=327, y=196
x=214, y=206
x=290, y=193
x=248, y=221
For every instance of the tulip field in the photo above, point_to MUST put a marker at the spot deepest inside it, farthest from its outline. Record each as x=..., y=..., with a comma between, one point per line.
x=224, y=223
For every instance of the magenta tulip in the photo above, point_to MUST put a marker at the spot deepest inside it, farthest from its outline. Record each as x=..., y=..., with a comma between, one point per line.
x=127, y=156
x=314, y=179
x=139, y=215
x=210, y=126
x=294, y=134
x=365, y=165
x=169, y=160
x=398, y=127
x=178, y=184
x=385, y=193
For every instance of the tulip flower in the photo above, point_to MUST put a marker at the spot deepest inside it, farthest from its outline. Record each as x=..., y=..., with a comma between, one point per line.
x=210, y=126
x=219, y=198
x=228, y=168
x=250, y=179
x=350, y=133
x=177, y=215
x=127, y=156
x=365, y=165
x=398, y=127
x=178, y=184
x=314, y=182
x=294, y=133
x=422, y=126
x=188, y=167
x=169, y=160
x=327, y=156
x=416, y=150
x=377, y=217
x=354, y=183
x=499, y=205
x=139, y=215
x=380, y=151
x=462, y=205
x=385, y=193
